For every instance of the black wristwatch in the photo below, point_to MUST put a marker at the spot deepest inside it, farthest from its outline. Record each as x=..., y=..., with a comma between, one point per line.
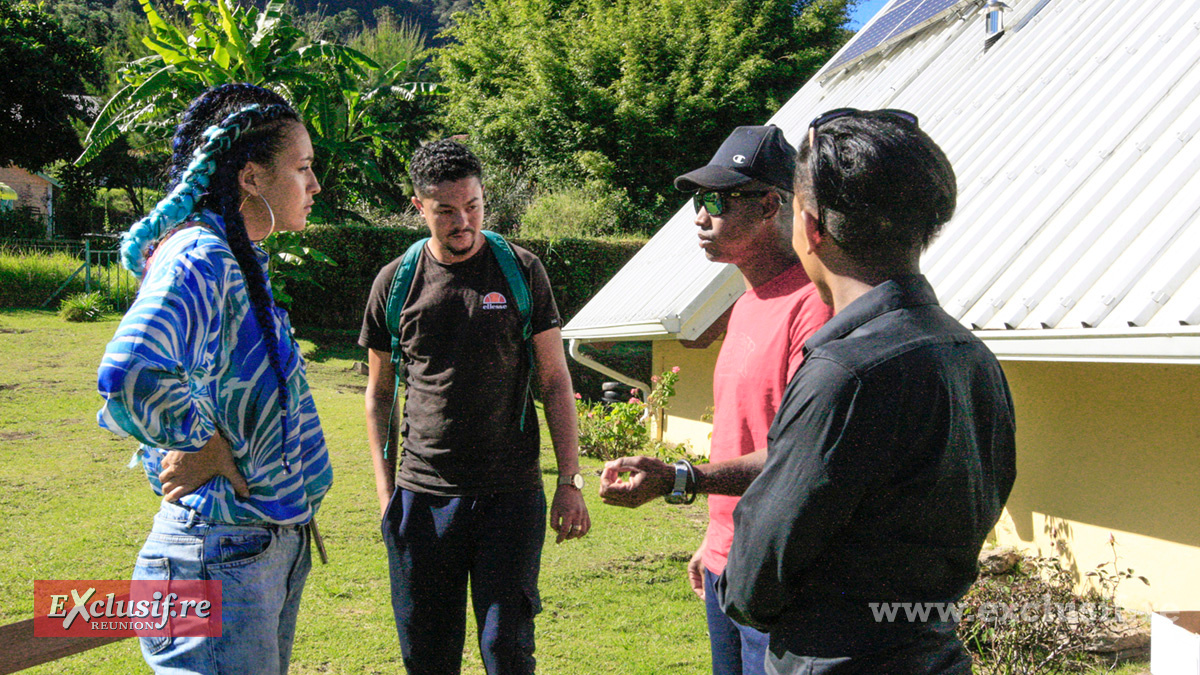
x=685, y=477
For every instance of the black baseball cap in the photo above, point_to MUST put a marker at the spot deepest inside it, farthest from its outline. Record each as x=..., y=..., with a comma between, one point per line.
x=758, y=153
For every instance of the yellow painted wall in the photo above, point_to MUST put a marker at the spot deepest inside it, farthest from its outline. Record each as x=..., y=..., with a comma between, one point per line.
x=1102, y=449
x=1111, y=449
x=693, y=393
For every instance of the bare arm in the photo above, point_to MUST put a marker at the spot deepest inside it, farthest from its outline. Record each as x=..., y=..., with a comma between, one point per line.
x=184, y=472
x=380, y=397
x=650, y=478
x=568, y=514
x=730, y=477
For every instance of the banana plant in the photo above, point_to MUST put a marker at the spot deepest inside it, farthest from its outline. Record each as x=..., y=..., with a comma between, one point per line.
x=222, y=43
x=217, y=42
x=347, y=124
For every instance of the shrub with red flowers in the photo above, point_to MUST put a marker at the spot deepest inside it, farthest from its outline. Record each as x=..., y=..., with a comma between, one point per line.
x=611, y=430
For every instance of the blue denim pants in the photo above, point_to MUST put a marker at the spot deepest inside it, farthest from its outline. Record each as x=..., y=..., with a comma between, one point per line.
x=262, y=569
x=736, y=649
x=435, y=544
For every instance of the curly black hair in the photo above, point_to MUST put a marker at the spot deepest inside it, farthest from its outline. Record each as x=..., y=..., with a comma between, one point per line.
x=441, y=161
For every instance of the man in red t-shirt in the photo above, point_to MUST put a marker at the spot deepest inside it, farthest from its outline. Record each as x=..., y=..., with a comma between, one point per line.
x=743, y=209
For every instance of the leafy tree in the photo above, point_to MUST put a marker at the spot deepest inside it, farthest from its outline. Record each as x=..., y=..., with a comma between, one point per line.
x=444, y=10
x=75, y=209
x=332, y=85
x=393, y=40
x=398, y=45
x=626, y=94
x=44, y=75
x=340, y=27
x=92, y=23
x=80, y=208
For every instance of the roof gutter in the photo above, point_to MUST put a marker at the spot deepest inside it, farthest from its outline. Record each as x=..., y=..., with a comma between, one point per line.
x=653, y=329
x=1133, y=345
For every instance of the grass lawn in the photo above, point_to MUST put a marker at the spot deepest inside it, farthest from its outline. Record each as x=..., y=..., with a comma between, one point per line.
x=615, y=602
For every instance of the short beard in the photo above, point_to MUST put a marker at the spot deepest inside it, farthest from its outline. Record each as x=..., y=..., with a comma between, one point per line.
x=461, y=251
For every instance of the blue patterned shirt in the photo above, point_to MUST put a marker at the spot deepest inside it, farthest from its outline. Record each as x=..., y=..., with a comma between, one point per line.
x=189, y=359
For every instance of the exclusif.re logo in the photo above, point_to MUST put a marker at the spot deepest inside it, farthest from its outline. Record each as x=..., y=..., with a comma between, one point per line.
x=494, y=300
x=123, y=608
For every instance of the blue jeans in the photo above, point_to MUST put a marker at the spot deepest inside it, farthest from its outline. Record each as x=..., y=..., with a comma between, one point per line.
x=736, y=649
x=435, y=544
x=262, y=569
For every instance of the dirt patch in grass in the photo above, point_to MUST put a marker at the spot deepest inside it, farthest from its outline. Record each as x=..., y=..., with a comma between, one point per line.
x=14, y=331
x=640, y=560
x=8, y=387
x=16, y=435
x=650, y=568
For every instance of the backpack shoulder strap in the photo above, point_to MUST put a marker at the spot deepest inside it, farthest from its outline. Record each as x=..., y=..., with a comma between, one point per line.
x=397, y=296
x=401, y=286
x=521, y=295
x=516, y=280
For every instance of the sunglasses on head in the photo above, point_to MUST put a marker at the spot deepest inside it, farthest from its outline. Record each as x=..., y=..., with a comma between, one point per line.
x=825, y=118
x=814, y=157
x=714, y=202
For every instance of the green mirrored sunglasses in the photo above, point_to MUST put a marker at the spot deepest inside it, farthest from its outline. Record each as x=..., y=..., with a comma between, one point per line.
x=714, y=202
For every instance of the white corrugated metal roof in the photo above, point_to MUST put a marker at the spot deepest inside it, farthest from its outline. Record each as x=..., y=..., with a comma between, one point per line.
x=1079, y=184
x=667, y=290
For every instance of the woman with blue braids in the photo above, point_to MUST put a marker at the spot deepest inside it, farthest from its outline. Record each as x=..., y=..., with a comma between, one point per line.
x=203, y=371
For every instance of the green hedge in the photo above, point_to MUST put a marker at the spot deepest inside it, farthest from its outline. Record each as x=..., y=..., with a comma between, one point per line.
x=337, y=296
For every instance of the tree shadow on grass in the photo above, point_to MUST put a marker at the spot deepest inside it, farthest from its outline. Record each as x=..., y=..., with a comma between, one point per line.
x=331, y=343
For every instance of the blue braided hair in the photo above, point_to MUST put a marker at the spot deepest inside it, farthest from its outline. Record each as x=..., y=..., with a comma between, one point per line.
x=191, y=184
x=220, y=132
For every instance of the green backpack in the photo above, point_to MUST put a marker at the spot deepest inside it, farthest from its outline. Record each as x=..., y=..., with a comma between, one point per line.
x=402, y=286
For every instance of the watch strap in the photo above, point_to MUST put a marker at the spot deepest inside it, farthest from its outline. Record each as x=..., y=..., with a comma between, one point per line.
x=685, y=477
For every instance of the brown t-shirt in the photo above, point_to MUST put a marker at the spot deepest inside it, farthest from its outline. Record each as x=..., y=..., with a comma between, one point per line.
x=468, y=373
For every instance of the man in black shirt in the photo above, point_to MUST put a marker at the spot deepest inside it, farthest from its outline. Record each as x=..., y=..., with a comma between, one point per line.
x=467, y=502
x=892, y=454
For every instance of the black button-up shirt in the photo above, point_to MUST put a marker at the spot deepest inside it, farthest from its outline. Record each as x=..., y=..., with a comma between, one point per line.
x=889, y=461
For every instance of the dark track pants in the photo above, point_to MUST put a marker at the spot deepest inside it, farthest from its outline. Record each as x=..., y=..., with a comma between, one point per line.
x=435, y=544
x=935, y=653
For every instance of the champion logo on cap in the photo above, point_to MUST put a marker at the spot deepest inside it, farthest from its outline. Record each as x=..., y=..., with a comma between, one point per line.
x=753, y=153
x=494, y=300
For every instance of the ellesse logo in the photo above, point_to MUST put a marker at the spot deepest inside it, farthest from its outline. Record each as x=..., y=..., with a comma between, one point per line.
x=494, y=300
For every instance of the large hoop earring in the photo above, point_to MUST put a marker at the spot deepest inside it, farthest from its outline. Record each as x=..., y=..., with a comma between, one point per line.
x=269, y=210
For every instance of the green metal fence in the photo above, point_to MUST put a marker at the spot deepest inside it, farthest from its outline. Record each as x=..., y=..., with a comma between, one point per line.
x=99, y=266
x=102, y=269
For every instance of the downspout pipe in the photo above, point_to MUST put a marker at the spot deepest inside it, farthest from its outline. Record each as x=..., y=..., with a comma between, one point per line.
x=605, y=370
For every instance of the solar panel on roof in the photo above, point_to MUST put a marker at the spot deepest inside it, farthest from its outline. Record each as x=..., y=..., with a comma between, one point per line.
x=901, y=19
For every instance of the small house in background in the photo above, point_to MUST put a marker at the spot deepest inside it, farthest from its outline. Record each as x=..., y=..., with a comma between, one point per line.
x=30, y=190
x=1074, y=254
x=8, y=198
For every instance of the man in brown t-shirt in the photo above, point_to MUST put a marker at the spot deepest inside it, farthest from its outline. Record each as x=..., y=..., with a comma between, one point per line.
x=467, y=501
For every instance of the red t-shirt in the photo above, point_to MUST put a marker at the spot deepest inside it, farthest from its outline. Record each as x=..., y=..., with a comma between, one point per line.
x=760, y=354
